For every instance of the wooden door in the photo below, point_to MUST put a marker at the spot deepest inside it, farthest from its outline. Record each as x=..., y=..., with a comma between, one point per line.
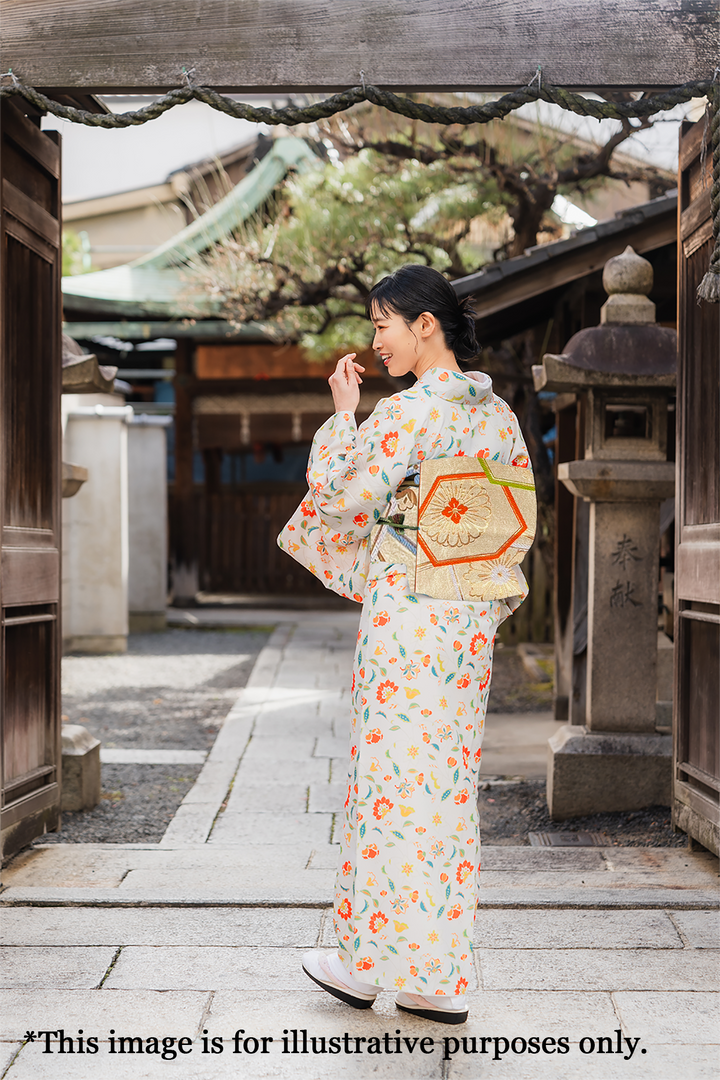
x=696, y=775
x=30, y=376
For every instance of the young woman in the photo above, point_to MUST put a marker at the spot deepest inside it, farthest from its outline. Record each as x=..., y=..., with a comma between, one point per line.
x=406, y=885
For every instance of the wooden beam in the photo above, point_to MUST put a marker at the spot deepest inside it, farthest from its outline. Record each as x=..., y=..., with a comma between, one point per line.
x=232, y=361
x=117, y=46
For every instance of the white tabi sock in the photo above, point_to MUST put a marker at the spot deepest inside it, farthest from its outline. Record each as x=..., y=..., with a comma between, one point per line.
x=339, y=971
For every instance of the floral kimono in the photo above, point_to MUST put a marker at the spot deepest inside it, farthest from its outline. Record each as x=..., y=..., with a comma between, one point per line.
x=407, y=879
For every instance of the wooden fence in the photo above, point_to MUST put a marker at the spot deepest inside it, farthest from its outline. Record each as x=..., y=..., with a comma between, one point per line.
x=233, y=540
x=231, y=537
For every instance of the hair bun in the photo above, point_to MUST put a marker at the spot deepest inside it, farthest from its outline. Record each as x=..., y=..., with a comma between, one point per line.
x=465, y=344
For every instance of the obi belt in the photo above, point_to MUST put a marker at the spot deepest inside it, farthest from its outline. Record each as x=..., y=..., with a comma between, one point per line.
x=462, y=526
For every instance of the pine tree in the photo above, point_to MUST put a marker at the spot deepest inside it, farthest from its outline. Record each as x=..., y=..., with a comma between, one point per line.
x=391, y=191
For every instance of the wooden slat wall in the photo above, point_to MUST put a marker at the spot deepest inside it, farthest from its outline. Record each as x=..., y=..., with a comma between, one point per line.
x=696, y=776
x=241, y=547
x=142, y=45
x=233, y=540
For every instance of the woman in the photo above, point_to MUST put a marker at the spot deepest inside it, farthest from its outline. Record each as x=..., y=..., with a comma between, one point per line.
x=406, y=886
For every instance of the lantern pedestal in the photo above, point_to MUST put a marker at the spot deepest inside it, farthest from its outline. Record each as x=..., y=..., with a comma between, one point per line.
x=593, y=772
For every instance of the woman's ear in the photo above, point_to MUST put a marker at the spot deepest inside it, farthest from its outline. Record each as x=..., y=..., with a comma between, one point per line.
x=428, y=323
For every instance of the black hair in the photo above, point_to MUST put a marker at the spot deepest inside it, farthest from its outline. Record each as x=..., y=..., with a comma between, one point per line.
x=413, y=289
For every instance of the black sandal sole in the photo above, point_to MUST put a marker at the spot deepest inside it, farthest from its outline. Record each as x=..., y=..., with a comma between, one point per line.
x=434, y=1014
x=347, y=998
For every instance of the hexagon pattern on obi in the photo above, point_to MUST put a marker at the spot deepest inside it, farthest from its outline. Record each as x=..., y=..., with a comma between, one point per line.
x=476, y=522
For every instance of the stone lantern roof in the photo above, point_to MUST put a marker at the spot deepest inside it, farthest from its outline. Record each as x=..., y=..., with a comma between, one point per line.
x=627, y=350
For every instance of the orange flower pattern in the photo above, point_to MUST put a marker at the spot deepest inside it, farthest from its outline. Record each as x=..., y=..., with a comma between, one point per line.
x=389, y=444
x=420, y=686
x=386, y=690
x=455, y=511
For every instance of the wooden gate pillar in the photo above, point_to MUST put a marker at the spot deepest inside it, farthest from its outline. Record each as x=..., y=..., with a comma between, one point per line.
x=696, y=766
x=30, y=377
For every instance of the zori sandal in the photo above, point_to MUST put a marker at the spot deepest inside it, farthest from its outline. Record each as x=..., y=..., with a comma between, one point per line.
x=328, y=972
x=445, y=1010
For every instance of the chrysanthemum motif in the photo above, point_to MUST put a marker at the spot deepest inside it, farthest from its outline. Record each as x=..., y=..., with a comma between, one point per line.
x=459, y=512
x=492, y=580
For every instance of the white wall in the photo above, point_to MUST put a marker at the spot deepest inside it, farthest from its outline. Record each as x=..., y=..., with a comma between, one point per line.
x=95, y=525
x=147, y=522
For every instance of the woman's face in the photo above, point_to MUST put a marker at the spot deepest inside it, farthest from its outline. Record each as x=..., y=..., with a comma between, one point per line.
x=399, y=345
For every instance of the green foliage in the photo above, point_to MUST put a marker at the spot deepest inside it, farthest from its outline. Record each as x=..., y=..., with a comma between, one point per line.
x=75, y=254
x=332, y=232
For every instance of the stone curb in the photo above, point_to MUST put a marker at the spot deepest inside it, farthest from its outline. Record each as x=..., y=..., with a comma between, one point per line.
x=194, y=819
x=113, y=756
x=541, y=899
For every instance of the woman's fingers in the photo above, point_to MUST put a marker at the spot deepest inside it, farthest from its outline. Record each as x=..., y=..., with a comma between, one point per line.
x=347, y=369
x=344, y=383
x=353, y=369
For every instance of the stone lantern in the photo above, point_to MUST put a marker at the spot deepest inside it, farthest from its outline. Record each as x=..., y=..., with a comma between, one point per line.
x=625, y=370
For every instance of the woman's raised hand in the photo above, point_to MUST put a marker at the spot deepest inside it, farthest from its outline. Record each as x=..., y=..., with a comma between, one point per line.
x=345, y=383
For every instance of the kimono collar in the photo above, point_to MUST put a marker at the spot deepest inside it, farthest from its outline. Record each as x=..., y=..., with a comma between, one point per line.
x=468, y=387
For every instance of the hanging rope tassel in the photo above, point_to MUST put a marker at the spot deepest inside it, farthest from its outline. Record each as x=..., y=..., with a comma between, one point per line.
x=709, y=287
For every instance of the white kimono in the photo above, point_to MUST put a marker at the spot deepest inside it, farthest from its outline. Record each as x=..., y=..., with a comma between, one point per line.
x=410, y=847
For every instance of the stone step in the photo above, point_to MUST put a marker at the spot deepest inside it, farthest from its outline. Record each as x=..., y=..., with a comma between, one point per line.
x=109, y=865
x=317, y=893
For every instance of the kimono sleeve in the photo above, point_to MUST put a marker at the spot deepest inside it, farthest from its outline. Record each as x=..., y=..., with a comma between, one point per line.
x=516, y=454
x=353, y=472
x=514, y=449
x=519, y=452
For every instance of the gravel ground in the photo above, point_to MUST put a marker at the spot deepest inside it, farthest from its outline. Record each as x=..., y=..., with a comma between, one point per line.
x=508, y=814
x=171, y=690
x=512, y=690
x=138, y=803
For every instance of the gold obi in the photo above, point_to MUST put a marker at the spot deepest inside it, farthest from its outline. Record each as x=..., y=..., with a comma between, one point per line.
x=462, y=530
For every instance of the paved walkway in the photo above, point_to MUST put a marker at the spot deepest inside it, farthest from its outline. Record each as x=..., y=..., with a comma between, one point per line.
x=199, y=937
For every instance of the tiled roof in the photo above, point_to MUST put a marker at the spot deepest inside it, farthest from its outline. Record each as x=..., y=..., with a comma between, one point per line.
x=152, y=286
x=539, y=258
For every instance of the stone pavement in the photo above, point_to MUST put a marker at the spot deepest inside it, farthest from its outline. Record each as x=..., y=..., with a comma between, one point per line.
x=579, y=952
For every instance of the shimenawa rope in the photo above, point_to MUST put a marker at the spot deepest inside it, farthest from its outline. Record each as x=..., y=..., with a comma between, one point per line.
x=291, y=115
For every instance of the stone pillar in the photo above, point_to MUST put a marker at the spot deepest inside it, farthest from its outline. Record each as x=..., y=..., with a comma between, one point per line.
x=95, y=526
x=615, y=759
x=147, y=523
x=622, y=616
